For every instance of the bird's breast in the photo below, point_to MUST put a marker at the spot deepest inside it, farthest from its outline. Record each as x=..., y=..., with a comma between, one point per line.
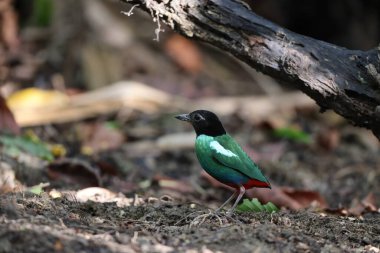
x=217, y=170
x=203, y=151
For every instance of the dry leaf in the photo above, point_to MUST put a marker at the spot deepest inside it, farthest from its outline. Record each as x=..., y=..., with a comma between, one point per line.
x=7, y=121
x=173, y=184
x=96, y=194
x=185, y=53
x=368, y=204
x=328, y=138
x=98, y=137
x=8, y=181
x=305, y=197
x=9, y=25
x=74, y=171
x=358, y=208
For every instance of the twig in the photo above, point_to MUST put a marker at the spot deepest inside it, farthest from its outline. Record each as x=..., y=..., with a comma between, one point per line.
x=158, y=29
x=130, y=12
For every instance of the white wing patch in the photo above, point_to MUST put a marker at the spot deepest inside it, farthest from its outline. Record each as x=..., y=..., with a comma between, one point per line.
x=220, y=149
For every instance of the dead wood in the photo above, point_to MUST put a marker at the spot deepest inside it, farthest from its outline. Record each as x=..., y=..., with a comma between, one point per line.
x=346, y=81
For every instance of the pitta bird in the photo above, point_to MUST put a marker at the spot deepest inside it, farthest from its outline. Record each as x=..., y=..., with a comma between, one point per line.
x=222, y=157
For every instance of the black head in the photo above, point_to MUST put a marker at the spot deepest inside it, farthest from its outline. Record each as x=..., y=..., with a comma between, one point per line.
x=204, y=122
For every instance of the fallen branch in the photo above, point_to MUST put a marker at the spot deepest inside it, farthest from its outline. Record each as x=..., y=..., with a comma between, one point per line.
x=347, y=81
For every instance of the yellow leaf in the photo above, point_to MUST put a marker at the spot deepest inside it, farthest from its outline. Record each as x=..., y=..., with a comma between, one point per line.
x=58, y=150
x=33, y=98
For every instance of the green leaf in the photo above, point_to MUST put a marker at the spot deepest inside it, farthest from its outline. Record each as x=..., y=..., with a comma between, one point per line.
x=38, y=189
x=270, y=207
x=259, y=207
x=247, y=205
x=254, y=205
x=293, y=134
x=112, y=124
x=42, y=13
x=15, y=145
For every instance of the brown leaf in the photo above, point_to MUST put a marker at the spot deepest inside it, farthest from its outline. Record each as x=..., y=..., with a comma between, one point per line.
x=119, y=184
x=9, y=25
x=368, y=204
x=358, y=208
x=99, y=137
x=305, y=197
x=8, y=181
x=328, y=138
x=185, y=53
x=7, y=121
x=58, y=245
x=74, y=171
x=173, y=184
x=338, y=211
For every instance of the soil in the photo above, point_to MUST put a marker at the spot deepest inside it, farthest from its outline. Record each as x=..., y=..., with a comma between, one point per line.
x=61, y=225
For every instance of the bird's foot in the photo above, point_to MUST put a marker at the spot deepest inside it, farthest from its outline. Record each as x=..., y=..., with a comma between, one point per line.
x=196, y=219
x=190, y=217
x=228, y=213
x=200, y=219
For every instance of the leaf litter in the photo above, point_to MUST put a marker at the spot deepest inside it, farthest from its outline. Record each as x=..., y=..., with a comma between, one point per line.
x=156, y=199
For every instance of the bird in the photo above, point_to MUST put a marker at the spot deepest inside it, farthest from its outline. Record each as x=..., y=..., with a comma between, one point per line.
x=222, y=157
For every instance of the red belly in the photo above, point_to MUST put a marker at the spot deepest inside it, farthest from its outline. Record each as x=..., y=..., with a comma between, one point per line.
x=251, y=183
x=256, y=183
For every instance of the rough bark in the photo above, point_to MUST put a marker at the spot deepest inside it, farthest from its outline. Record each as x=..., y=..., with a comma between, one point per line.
x=346, y=81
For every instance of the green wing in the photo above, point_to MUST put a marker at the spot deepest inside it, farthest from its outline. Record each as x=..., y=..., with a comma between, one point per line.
x=228, y=152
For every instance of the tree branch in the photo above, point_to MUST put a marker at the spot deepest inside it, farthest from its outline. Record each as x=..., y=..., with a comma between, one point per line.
x=347, y=81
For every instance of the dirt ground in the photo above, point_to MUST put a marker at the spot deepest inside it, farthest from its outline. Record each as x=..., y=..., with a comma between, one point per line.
x=39, y=224
x=165, y=214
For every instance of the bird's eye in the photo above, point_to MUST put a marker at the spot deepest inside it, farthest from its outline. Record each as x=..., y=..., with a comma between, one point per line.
x=197, y=117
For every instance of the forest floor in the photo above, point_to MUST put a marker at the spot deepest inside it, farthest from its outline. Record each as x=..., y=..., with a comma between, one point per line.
x=154, y=203
x=127, y=179
x=40, y=224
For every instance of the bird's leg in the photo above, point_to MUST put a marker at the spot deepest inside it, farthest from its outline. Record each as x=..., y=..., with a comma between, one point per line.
x=227, y=201
x=200, y=219
x=241, y=193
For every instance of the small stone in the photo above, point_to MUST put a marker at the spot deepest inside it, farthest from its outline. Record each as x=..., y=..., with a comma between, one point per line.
x=371, y=249
x=302, y=246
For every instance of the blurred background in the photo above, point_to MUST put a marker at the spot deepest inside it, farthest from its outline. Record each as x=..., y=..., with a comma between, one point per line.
x=89, y=44
x=95, y=93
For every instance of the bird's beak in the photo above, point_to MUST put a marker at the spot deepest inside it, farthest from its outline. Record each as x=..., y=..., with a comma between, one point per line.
x=183, y=117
